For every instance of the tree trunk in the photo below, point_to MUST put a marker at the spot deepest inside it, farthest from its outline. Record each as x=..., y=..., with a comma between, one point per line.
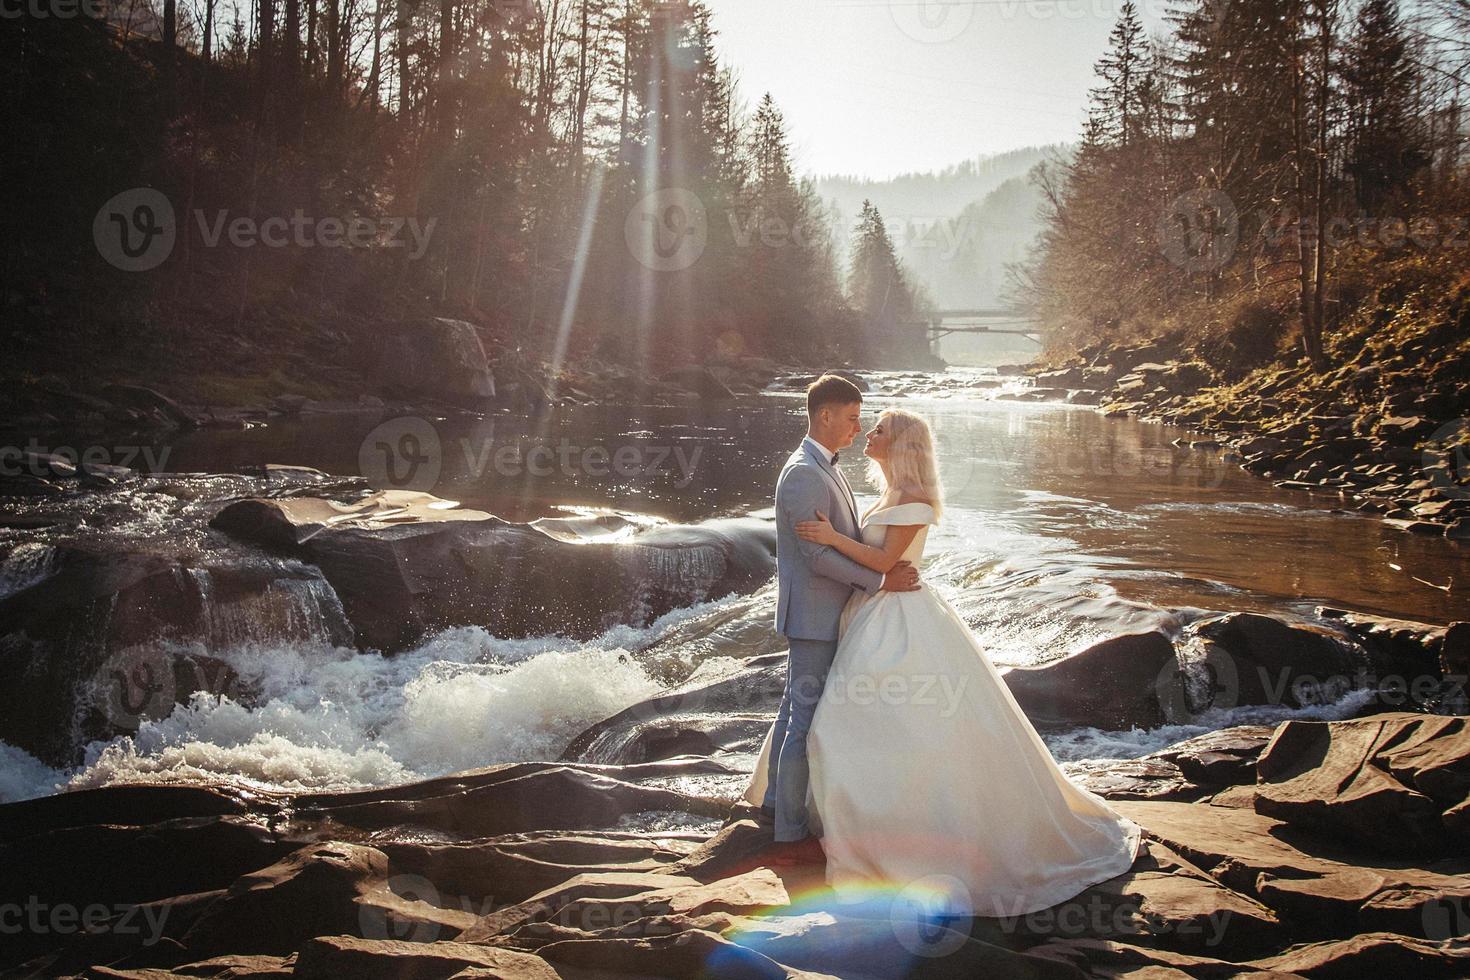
x=1319, y=283
x=208, y=48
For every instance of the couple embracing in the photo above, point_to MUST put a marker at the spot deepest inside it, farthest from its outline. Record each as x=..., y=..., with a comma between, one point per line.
x=898, y=753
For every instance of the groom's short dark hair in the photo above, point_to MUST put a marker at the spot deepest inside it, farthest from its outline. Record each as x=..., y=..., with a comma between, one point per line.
x=830, y=389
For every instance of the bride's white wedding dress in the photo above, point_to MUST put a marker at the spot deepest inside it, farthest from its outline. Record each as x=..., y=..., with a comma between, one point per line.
x=923, y=765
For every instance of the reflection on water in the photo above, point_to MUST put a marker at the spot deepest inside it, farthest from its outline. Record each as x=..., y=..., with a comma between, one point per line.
x=1090, y=518
x=1062, y=528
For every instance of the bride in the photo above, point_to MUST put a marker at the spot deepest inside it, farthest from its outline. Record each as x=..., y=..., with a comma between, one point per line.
x=922, y=764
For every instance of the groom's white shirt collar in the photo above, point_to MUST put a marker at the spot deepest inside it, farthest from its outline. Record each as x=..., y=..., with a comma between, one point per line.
x=822, y=450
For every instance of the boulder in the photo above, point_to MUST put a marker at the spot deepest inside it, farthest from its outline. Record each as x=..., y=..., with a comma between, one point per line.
x=1247, y=658
x=101, y=642
x=407, y=564
x=1114, y=684
x=753, y=686
x=436, y=358
x=1221, y=758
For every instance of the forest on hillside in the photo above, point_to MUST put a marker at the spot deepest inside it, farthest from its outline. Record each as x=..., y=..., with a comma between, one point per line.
x=1262, y=173
x=195, y=184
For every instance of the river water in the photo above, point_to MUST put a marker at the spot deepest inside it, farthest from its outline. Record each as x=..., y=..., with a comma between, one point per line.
x=1062, y=528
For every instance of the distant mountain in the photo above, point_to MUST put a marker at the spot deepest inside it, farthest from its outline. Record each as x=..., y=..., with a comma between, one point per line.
x=955, y=231
x=930, y=196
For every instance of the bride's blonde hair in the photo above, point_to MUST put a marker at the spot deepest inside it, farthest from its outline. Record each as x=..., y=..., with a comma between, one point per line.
x=911, y=459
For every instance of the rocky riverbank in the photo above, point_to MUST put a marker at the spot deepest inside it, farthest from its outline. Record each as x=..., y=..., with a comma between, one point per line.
x=1386, y=430
x=422, y=365
x=1312, y=849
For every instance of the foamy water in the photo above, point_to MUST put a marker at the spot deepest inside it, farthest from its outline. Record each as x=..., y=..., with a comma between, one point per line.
x=327, y=718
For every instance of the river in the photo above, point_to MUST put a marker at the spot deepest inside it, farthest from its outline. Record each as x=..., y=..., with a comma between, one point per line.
x=1062, y=527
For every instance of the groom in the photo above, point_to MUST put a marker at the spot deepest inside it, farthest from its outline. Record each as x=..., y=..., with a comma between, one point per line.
x=814, y=583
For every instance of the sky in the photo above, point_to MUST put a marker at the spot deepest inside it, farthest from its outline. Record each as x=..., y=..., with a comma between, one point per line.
x=876, y=88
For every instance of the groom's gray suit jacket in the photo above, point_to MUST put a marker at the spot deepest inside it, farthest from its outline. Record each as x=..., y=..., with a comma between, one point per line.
x=814, y=581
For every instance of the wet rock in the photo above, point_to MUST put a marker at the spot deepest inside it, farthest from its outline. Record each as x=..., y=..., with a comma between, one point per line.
x=506, y=799
x=404, y=565
x=511, y=868
x=1134, y=779
x=1110, y=958
x=1255, y=659
x=755, y=685
x=1222, y=758
x=665, y=737
x=113, y=864
x=102, y=641
x=1383, y=781
x=1067, y=378
x=1115, y=684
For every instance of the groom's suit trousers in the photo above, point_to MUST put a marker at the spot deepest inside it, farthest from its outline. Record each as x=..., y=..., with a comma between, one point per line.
x=806, y=674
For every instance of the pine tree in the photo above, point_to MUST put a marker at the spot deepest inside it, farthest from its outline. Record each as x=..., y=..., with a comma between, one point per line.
x=1385, y=144
x=880, y=292
x=1118, y=105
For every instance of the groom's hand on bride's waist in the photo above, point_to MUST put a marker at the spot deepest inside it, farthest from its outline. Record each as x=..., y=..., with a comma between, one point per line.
x=903, y=577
